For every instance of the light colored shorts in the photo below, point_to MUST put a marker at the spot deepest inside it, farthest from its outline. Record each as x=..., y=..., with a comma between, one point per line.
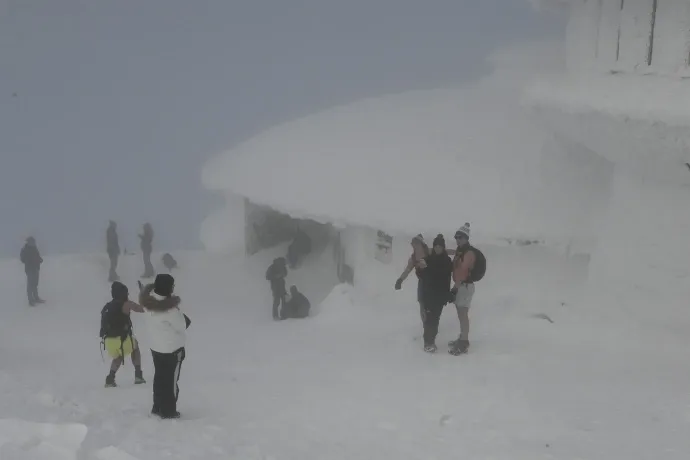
x=464, y=297
x=115, y=346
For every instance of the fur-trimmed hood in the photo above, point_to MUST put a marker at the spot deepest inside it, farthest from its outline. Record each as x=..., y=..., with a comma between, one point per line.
x=154, y=302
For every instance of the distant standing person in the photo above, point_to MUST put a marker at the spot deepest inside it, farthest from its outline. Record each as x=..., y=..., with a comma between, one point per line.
x=436, y=270
x=419, y=251
x=146, y=249
x=32, y=260
x=276, y=275
x=113, y=247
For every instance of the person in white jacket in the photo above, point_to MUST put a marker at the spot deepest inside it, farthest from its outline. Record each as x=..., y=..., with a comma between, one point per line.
x=167, y=327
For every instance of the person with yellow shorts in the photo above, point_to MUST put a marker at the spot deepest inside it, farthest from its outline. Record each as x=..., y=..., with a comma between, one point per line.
x=116, y=333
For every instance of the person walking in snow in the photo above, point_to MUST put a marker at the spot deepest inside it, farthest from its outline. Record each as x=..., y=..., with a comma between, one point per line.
x=113, y=248
x=275, y=275
x=32, y=260
x=168, y=335
x=463, y=287
x=419, y=251
x=117, y=333
x=436, y=270
x=146, y=249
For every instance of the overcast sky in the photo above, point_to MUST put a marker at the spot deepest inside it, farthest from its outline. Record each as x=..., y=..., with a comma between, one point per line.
x=108, y=109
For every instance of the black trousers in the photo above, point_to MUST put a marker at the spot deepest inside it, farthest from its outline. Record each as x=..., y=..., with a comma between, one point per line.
x=432, y=315
x=112, y=276
x=278, y=302
x=148, y=266
x=167, y=368
x=32, y=276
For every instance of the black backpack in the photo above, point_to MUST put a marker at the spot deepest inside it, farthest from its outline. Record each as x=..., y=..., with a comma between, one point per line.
x=479, y=269
x=114, y=323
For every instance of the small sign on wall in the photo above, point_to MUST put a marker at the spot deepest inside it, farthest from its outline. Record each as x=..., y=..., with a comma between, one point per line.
x=384, y=247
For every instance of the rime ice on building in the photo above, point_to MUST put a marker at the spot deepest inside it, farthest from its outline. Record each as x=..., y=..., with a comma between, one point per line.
x=626, y=96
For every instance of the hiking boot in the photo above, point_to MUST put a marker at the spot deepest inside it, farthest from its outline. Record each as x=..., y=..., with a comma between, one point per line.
x=430, y=348
x=460, y=347
x=139, y=378
x=39, y=300
x=170, y=416
x=110, y=381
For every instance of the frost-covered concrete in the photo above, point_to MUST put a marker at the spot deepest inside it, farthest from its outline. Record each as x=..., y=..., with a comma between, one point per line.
x=625, y=97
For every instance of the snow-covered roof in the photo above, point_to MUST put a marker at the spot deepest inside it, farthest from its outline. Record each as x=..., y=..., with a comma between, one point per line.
x=416, y=161
x=642, y=120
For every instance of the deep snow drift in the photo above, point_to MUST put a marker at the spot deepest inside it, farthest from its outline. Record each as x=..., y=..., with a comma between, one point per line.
x=352, y=381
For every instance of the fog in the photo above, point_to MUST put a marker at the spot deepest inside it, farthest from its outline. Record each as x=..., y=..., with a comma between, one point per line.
x=109, y=109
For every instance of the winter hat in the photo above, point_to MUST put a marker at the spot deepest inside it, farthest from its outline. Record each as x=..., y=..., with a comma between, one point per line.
x=164, y=284
x=439, y=241
x=463, y=231
x=119, y=291
x=419, y=238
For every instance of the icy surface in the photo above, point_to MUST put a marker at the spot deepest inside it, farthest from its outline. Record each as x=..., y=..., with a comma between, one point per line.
x=25, y=440
x=402, y=163
x=352, y=381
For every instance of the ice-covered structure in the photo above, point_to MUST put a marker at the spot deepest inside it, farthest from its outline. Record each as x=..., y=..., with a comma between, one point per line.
x=421, y=161
x=626, y=96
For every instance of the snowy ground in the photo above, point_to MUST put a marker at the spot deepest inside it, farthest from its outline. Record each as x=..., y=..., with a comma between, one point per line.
x=351, y=382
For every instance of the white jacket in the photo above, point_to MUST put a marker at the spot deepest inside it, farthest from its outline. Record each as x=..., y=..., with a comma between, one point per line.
x=167, y=329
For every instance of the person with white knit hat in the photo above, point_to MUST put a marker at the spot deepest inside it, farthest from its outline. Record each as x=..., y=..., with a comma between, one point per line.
x=463, y=287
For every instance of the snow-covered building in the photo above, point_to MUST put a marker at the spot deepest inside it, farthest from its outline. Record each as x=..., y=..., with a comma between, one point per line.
x=422, y=161
x=626, y=96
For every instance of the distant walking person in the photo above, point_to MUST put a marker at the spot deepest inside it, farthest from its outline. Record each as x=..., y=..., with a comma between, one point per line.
x=419, y=251
x=146, y=249
x=113, y=247
x=276, y=274
x=167, y=336
x=32, y=261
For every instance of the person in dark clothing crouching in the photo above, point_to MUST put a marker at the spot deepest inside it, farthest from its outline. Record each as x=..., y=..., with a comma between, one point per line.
x=276, y=274
x=297, y=305
x=436, y=271
x=167, y=335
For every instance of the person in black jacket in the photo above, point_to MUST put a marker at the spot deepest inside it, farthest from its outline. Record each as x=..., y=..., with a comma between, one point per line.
x=32, y=261
x=297, y=305
x=276, y=274
x=436, y=271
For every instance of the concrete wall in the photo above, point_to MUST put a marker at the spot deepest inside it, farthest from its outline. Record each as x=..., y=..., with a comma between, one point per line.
x=632, y=36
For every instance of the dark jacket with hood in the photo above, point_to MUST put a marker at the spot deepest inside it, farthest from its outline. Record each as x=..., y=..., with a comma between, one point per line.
x=436, y=276
x=276, y=274
x=30, y=257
